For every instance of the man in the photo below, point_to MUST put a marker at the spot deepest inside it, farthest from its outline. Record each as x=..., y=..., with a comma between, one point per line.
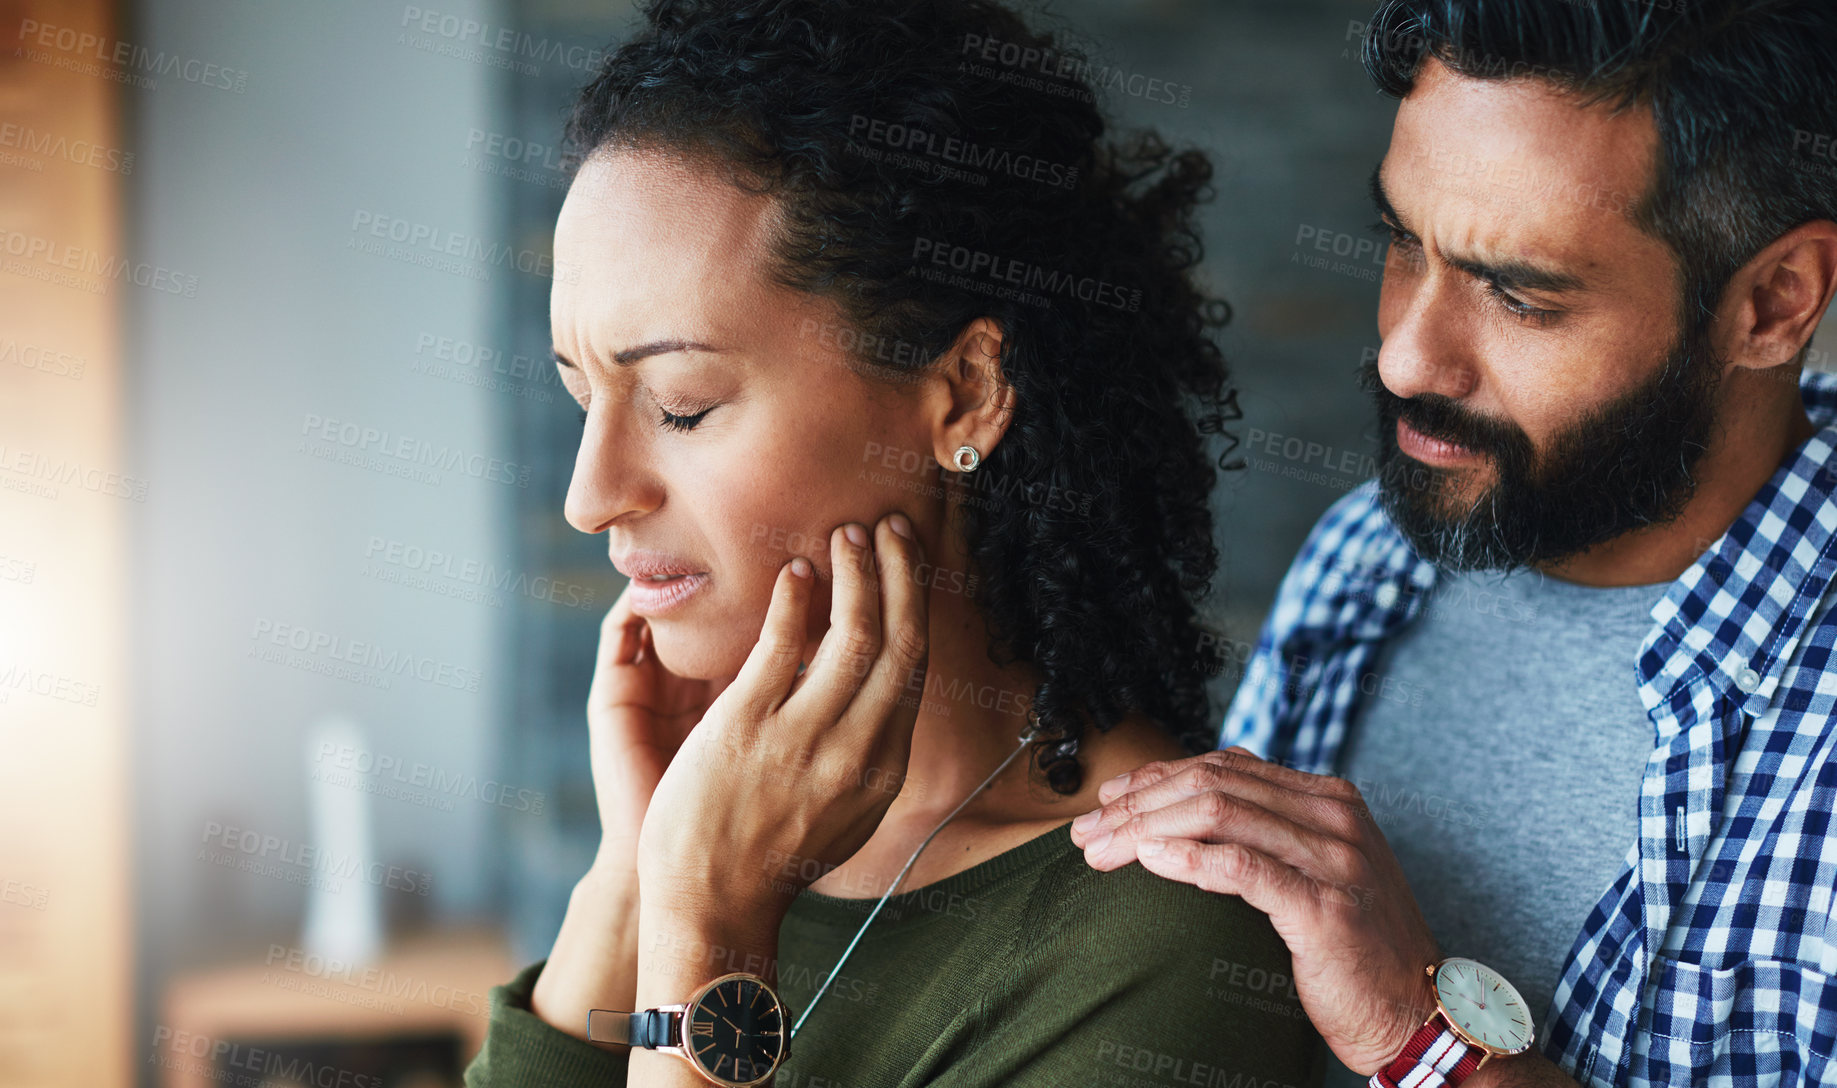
x=1568, y=651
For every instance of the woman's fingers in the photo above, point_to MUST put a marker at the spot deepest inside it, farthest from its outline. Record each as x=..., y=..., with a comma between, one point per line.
x=850, y=646
x=905, y=626
x=765, y=678
x=622, y=639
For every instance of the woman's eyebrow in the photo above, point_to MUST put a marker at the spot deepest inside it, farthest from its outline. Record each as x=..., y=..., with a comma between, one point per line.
x=658, y=347
x=631, y=356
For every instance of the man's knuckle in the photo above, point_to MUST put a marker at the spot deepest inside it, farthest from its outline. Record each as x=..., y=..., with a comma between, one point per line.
x=1339, y=788
x=1194, y=777
x=1152, y=772
x=1229, y=860
x=1341, y=818
x=1216, y=808
x=1341, y=857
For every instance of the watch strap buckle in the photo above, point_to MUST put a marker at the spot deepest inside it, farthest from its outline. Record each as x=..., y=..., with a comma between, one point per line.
x=652, y=1029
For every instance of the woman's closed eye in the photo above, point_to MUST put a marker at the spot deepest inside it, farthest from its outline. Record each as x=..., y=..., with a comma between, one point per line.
x=670, y=420
x=682, y=423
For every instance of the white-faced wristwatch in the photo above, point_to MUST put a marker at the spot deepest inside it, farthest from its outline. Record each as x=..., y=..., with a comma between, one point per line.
x=1478, y=1016
x=731, y=1030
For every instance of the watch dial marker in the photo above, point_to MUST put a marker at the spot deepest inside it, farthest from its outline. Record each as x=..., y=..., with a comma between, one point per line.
x=742, y=1025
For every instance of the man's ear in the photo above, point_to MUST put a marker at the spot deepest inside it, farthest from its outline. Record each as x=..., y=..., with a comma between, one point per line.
x=970, y=401
x=1774, y=304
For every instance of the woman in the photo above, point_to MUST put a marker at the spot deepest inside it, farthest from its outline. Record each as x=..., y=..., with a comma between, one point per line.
x=896, y=391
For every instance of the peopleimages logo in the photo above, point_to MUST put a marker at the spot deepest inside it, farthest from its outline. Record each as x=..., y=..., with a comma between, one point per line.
x=507, y=47
x=334, y=758
x=52, y=473
x=131, y=62
x=961, y=152
x=412, y=559
x=980, y=264
x=56, y=145
x=352, y=659
x=253, y=851
x=411, y=451
x=50, y=255
x=375, y=980
x=219, y=1060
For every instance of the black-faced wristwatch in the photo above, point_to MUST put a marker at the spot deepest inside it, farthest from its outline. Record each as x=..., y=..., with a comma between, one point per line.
x=730, y=1030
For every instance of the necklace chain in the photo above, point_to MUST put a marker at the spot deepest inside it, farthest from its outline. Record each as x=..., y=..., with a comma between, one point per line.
x=1025, y=739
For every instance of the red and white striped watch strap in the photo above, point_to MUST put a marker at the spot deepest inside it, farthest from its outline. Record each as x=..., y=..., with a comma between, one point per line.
x=1434, y=1056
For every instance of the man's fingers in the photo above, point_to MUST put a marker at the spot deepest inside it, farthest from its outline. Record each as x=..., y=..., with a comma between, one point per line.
x=1145, y=775
x=1157, y=785
x=1221, y=772
x=1206, y=818
x=1233, y=869
x=1324, y=785
x=852, y=642
x=1234, y=758
x=765, y=678
x=905, y=633
x=1150, y=773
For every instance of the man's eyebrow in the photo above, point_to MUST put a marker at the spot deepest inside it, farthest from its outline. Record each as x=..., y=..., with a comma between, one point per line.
x=631, y=356
x=1380, y=199
x=1519, y=275
x=1511, y=274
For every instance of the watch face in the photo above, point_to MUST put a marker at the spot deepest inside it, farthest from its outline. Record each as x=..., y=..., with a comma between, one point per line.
x=736, y=1031
x=1483, y=1005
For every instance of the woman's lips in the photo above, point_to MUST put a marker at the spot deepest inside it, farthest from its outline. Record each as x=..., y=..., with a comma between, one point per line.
x=659, y=582
x=655, y=596
x=1431, y=451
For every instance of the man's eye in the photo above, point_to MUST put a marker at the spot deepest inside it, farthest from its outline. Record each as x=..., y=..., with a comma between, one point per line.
x=681, y=423
x=1516, y=306
x=1399, y=237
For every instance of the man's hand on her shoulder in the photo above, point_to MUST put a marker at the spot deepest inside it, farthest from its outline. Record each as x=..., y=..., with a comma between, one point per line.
x=1302, y=848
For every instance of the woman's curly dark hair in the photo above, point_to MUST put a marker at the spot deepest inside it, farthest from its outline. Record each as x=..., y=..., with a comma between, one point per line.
x=926, y=155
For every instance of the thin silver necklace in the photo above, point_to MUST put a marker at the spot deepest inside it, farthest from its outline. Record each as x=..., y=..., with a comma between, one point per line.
x=1025, y=739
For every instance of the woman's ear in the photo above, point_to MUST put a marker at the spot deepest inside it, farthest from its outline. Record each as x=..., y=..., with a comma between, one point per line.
x=971, y=399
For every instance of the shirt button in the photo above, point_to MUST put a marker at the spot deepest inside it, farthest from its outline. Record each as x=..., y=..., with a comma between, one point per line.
x=1386, y=595
x=1748, y=680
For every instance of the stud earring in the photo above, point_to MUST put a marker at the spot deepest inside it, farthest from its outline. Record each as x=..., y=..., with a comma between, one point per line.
x=967, y=459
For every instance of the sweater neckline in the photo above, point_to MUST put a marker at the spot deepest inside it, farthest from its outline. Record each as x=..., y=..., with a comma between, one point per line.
x=923, y=901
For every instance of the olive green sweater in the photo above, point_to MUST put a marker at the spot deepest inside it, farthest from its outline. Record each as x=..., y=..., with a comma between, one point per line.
x=1030, y=969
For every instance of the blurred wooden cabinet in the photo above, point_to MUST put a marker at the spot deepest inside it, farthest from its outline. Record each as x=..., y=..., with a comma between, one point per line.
x=414, y=1019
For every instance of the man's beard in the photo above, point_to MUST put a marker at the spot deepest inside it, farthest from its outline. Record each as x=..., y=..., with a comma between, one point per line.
x=1629, y=465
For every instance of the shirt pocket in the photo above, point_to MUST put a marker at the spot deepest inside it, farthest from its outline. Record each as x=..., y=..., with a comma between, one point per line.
x=1770, y=1022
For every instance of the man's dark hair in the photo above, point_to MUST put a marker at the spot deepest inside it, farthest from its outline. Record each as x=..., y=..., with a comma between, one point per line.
x=1744, y=93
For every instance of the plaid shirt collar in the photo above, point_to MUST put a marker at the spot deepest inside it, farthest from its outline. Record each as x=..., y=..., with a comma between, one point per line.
x=1721, y=659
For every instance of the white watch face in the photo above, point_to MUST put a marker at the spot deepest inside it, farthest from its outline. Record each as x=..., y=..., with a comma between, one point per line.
x=1483, y=1005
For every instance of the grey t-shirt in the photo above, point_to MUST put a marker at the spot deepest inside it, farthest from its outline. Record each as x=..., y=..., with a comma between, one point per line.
x=1500, y=747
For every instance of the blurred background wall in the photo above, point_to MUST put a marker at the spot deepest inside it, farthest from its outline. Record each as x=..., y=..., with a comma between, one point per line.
x=319, y=660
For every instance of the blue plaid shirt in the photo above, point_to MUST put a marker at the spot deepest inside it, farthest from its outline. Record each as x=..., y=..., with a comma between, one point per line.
x=1713, y=955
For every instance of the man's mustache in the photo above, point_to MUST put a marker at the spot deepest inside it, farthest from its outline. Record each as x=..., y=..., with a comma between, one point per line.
x=1439, y=417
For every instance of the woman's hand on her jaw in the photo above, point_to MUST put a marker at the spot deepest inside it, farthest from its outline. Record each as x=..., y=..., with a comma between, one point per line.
x=789, y=772
x=637, y=717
